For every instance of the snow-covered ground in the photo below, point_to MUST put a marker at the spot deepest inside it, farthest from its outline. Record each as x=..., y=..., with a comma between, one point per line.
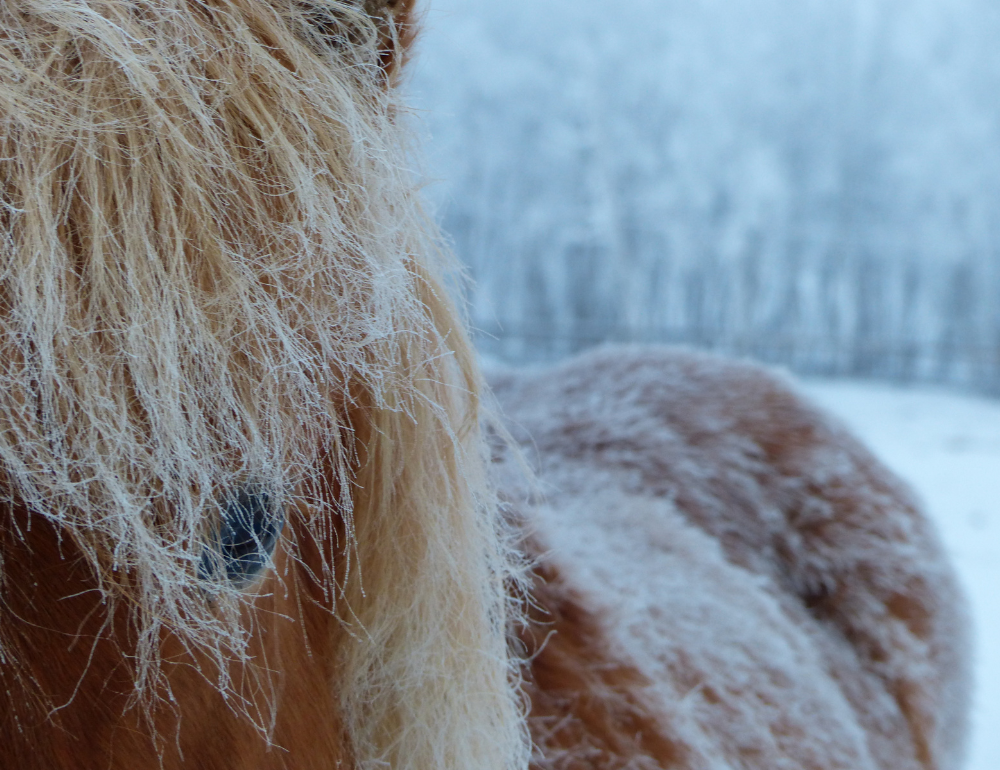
x=948, y=447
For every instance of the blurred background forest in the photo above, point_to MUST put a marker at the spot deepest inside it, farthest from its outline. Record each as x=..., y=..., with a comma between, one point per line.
x=807, y=182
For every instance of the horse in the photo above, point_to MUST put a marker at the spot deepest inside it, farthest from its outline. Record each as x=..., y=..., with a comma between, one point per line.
x=260, y=510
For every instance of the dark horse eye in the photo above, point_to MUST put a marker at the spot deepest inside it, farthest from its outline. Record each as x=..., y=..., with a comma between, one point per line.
x=245, y=540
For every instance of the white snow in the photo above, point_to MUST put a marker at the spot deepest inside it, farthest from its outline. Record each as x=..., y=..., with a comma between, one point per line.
x=948, y=447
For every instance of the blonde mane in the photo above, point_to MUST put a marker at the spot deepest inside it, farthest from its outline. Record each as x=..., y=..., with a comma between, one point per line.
x=216, y=275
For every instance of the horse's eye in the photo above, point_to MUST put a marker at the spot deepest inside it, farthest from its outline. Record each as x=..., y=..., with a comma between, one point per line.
x=245, y=540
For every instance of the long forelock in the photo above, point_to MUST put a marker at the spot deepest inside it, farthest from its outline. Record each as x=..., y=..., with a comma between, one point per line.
x=207, y=220
x=215, y=276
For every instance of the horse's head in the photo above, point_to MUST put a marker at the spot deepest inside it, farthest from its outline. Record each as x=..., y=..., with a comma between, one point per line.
x=246, y=522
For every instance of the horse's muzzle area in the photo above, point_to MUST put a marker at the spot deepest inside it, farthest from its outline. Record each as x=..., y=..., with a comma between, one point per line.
x=245, y=541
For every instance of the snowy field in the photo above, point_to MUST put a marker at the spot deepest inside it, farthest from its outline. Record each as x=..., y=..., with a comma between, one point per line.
x=948, y=447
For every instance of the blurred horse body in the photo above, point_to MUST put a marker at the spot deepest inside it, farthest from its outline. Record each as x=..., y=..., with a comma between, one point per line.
x=726, y=577
x=250, y=519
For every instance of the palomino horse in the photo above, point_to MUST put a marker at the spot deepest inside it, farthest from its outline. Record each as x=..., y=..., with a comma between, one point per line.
x=250, y=518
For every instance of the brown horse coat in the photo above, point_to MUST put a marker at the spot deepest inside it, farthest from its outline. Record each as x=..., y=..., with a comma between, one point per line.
x=728, y=579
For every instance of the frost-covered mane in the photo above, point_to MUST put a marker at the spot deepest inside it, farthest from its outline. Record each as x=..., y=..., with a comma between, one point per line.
x=216, y=276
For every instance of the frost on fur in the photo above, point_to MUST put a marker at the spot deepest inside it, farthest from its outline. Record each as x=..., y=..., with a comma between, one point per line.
x=726, y=577
x=216, y=276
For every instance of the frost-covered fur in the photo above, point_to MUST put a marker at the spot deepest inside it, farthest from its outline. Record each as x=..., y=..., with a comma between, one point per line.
x=729, y=579
x=215, y=275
